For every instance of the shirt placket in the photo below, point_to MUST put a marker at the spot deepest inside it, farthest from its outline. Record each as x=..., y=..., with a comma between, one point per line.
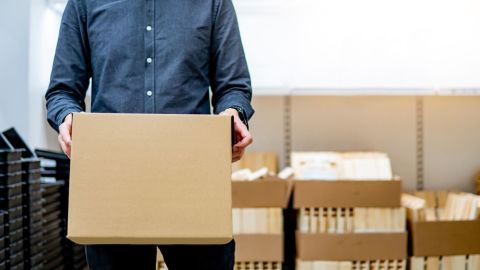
x=149, y=57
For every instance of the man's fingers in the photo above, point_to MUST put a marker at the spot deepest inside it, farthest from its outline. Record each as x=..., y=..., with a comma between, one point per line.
x=65, y=134
x=237, y=154
x=64, y=146
x=243, y=133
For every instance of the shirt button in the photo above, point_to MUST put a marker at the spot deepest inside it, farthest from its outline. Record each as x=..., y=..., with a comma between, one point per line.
x=149, y=28
x=149, y=93
x=149, y=60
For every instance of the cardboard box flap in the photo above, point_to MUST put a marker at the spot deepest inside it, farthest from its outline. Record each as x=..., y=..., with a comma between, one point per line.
x=259, y=247
x=444, y=238
x=350, y=247
x=150, y=179
x=268, y=192
x=347, y=193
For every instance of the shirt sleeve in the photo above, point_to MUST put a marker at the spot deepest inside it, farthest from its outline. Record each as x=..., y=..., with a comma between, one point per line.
x=71, y=69
x=229, y=75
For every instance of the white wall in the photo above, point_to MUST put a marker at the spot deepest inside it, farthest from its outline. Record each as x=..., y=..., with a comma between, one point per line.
x=44, y=26
x=379, y=44
x=14, y=40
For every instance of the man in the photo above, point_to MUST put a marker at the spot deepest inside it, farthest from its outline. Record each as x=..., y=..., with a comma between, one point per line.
x=151, y=56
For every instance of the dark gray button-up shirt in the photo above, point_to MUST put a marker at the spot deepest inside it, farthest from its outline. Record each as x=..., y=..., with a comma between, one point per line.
x=149, y=56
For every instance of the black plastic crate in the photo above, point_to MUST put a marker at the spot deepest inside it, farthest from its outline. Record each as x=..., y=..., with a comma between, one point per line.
x=16, y=212
x=38, y=266
x=16, y=142
x=35, y=175
x=15, y=224
x=2, y=230
x=56, y=215
x=10, y=178
x=7, y=151
x=34, y=185
x=50, y=226
x=36, y=260
x=3, y=265
x=33, y=230
x=55, y=263
x=19, y=266
x=3, y=216
x=52, y=207
x=35, y=207
x=53, y=244
x=53, y=234
x=2, y=254
x=52, y=188
x=36, y=248
x=8, y=191
x=2, y=243
x=14, y=236
x=31, y=164
x=10, y=167
x=15, y=259
x=35, y=219
x=35, y=196
x=10, y=155
x=52, y=198
x=50, y=254
x=16, y=247
x=11, y=202
x=36, y=238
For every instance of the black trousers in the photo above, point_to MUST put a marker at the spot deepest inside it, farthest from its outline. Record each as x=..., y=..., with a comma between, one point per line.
x=177, y=257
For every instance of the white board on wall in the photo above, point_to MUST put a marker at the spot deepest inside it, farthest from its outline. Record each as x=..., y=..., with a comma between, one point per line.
x=427, y=44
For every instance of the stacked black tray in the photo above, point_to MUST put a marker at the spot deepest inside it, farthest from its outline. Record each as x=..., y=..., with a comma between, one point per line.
x=53, y=225
x=32, y=200
x=57, y=169
x=11, y=203
x=3, y=240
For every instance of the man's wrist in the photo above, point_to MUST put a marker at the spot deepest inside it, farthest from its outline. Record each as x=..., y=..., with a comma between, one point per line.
x=241, y=114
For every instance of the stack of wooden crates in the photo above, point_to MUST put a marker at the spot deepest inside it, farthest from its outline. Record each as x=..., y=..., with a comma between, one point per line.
x=346, y=224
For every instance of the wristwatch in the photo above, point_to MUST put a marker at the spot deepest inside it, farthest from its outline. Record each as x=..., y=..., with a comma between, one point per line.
x=241, y=114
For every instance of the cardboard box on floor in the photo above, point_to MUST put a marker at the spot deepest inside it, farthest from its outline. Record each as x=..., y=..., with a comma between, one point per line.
x=343, y=193
x=257, y=160
x=150, y=179
x=349, y=246
x=444, y=238
x=267, y=192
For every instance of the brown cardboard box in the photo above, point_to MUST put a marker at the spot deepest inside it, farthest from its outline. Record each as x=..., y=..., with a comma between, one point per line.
x=445, y=238
x=150, y=179
x=257, y=160
x=259, y=247
x=267, y=192
x=351, y=246
x=347, y=193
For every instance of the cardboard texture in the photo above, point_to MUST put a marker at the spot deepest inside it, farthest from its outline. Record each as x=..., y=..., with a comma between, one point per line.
x=150, y=179
x=259, y=247
x=347, y=193
x=443, y=238
x=268, y=192
x=350, y=246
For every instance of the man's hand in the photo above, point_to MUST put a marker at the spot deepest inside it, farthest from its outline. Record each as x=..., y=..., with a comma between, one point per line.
x=244, y=138
x=65, y=135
